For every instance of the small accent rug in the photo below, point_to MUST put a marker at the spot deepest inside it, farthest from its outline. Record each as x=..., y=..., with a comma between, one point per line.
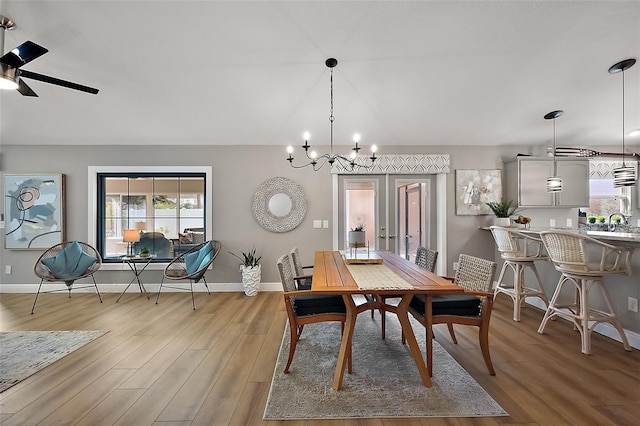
x=23, y=353
x=385, y=382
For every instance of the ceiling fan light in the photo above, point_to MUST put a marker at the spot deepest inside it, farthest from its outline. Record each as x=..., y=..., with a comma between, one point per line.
x=8, y=78
x=624, y=176
x=554, y=184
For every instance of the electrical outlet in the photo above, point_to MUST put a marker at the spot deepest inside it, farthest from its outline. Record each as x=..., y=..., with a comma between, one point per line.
x=552, y=223
x=325, y=224
x=455, y=266
x=7, y=269
x=632, y=303
x=569, y=223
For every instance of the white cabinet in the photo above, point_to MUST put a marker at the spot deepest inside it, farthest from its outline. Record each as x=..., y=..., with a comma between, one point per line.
x=532, y=182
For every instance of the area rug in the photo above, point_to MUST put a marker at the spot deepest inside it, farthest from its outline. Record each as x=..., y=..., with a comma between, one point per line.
x=23, y=353
x=385, y=382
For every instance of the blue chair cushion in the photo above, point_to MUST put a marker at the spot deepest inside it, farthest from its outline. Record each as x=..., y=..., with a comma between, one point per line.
x=460, y=305
x=312, y=304
x=70, y=263
x=195, y=261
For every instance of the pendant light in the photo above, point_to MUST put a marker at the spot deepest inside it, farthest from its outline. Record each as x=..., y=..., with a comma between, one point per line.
x=623, y=175
x=554, y=183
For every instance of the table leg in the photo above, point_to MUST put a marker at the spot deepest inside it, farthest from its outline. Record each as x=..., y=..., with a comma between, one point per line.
x=403, y=317
x=347, y=337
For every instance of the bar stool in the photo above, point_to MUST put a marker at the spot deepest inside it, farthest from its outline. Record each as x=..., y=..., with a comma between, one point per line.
x=583, y=262
x=519, y=252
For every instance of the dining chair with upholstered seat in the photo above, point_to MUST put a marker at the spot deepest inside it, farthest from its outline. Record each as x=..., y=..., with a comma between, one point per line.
x=584, y=262
x=303, y=279
x=426, y=259
x=473, y=307
x=191, y=265
x=306, y=308
x=67, y=262
x=519, y=252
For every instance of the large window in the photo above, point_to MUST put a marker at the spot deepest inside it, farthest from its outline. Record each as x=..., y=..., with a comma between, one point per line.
x=167, y=210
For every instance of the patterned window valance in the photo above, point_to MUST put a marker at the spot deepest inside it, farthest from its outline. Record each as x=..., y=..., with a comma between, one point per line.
x=603, y=169
x=402, y=164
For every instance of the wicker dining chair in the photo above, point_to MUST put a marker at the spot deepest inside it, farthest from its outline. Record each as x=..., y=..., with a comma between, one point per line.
x=583, y=262
x=84, y=262
x=426, y=259
x=306, y=308
x=191, y=265
x=473, y=307
x=302, y=279
x=519, y=252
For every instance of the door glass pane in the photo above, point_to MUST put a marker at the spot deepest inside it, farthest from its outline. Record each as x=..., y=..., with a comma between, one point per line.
x=411, y=218
x=360, y=209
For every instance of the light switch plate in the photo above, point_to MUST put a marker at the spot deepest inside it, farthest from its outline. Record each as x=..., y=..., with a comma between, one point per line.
x=569, y=223
x=317, y=224
x=325, y=224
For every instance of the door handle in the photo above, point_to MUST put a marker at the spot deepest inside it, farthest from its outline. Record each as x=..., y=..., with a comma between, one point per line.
x=382, y=236
x=392, y=236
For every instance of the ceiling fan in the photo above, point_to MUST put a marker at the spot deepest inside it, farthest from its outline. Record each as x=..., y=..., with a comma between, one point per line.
x=11, y=74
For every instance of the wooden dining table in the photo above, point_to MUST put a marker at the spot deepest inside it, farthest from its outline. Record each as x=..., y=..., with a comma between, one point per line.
x=394, y=275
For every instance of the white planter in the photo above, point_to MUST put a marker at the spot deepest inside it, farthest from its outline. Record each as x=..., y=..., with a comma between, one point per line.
x=251, y=279
x=356, y=238
x=502, y=221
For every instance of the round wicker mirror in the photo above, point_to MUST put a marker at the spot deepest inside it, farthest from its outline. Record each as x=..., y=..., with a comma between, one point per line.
x=279, y=204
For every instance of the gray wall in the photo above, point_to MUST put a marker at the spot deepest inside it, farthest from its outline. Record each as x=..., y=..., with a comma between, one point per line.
x=237, y=172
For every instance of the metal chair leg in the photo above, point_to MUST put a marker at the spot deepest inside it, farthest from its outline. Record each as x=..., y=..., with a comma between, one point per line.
x=193, y=298
x=96, y=285
x=36, y=299
x=159, y=289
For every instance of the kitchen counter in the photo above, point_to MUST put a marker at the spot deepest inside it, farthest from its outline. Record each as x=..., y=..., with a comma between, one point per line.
x=628, y=237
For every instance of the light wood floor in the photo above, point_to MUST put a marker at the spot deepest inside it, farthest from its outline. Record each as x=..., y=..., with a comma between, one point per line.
x=168, y=365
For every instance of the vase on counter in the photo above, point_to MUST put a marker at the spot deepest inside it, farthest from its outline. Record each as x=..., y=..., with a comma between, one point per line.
x=502, y=221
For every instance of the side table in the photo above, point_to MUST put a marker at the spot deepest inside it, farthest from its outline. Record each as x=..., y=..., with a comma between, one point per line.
x=133, y=261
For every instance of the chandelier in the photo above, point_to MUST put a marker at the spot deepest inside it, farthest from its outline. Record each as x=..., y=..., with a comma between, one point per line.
x=623, y=175
x=350, y=163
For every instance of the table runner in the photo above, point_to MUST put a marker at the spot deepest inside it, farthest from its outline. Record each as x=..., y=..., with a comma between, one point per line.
x=377, y=277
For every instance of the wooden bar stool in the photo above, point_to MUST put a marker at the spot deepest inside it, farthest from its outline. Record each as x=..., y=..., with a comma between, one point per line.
x=583, y=262
x=519, y=252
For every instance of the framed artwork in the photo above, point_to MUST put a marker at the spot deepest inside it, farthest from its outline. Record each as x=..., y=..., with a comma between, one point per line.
x=34, y=211
x=475, y=188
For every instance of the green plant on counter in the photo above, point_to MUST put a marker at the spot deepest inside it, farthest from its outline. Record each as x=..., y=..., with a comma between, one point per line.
x=504, y=208
x=591, y=219
x=616, y=218
x=358, y=228
x=601, y=219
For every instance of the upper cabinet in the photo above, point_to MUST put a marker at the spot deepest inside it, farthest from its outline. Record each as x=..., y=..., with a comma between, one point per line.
x=532, y=174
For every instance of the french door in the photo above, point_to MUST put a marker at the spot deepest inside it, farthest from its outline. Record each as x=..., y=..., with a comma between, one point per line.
x=397, y=211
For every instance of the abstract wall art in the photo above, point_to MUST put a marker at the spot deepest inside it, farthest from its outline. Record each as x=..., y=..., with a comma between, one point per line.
x=34, y=211
x=476, y=188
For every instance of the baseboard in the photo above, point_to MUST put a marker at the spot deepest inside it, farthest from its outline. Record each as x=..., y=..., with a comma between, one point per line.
x=151, y=288
x=605, y=329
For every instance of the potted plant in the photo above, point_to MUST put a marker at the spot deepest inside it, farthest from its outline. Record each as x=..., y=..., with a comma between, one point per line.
x=601, y=219
x=617, y=219
x=357, y=236
x=591, y=219
x=144, y=252
x=251, y=271
x=503, y=210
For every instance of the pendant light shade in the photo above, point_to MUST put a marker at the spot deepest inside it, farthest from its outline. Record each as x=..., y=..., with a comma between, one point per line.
x=623, y=175
x=554, y=183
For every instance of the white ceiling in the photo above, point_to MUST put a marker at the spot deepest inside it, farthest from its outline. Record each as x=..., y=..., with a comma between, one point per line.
x=253, y=73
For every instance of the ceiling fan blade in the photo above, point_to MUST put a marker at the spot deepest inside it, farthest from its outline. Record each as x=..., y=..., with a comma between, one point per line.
x=57, y=81
x=23, y=54
x=24, y=89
